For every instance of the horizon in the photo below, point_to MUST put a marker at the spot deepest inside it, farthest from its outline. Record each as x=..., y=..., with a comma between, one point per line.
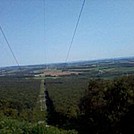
x=71, y=62
x=105, y=31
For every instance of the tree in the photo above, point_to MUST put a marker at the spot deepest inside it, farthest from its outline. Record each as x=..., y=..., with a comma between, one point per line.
x=106, y=105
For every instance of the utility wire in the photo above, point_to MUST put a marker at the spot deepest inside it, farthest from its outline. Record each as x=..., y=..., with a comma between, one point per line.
x=9, y=47
x=74, y=33
x=44, y=29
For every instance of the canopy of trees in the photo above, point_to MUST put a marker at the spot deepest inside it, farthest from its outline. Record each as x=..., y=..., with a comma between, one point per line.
x=18, y=97
x=107, y=106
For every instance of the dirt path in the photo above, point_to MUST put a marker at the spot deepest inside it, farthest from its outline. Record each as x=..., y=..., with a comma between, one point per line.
x=42, y=97
x=40, y=109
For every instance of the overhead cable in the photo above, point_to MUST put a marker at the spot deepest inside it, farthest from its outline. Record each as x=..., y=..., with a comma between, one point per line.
x=9, y=46
x=74, y=33
x=44, y=28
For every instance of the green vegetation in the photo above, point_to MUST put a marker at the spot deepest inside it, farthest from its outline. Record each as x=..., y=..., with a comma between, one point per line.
x=20, y=111
x=39, y=109
x=18, y=98
x=105, y=106
x=65, y=93
x=10, y=126
x=99, y=100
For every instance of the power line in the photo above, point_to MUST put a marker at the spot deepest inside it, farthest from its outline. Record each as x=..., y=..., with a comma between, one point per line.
x=74, y=33
x=9, y=47
x=44, y=29
x=44, y=21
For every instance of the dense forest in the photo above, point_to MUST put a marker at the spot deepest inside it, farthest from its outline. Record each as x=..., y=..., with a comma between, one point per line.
x=106, y=106
x=20, y=110
x=74, y=105
x=18, y=97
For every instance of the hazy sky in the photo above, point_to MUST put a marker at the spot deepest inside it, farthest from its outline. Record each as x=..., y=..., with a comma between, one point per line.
x=106, y=30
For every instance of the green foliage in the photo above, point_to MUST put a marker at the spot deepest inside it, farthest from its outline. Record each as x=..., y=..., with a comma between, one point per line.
x=10, y=126
x=103, y=108
x=105, y=104
x=95, y=106
x=65, y=93
x=18, y=97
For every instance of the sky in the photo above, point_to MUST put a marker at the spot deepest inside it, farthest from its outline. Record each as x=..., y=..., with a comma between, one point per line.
x=106, y=30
